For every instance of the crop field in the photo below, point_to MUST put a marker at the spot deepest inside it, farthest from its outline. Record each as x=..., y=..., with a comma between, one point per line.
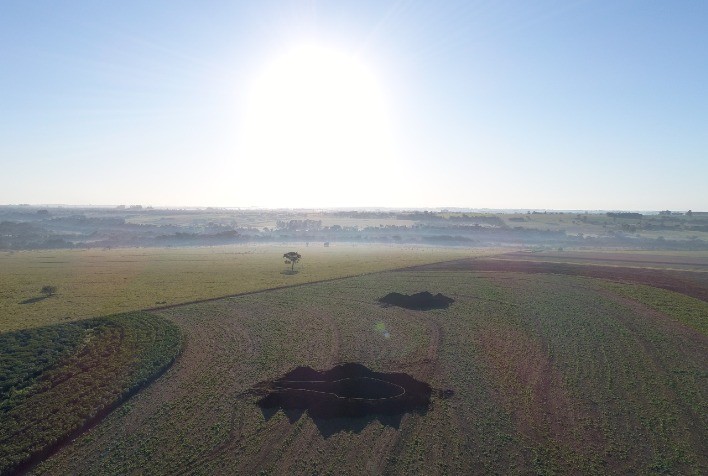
x=694, y=284
x=57, y=379
x=93, y=283
x=532, y=372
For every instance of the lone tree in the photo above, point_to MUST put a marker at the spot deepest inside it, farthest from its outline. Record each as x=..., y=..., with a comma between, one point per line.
x=48, y=290
x=291, y=258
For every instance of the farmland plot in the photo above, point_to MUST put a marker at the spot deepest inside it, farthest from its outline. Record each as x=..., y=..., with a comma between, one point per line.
x=531, y=373
x=94, y=282
x=56, y=380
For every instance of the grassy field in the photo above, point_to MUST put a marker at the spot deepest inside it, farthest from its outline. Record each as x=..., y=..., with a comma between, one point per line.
x=548, y=374
x=99, y=282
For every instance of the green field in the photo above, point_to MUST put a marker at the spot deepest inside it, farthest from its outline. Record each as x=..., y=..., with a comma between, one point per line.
x=690, y=311
x=549, y=374
x=99, y=282
x=54, y=380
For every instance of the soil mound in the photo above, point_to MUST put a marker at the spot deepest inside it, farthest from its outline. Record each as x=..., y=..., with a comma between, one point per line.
x=347, y=390
x=422, y=301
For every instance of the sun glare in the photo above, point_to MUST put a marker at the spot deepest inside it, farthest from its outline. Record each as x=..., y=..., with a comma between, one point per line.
x=320, y=112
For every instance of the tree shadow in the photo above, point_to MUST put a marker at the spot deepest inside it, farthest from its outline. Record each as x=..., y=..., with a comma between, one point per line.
x=290, y=272
x=34, y=299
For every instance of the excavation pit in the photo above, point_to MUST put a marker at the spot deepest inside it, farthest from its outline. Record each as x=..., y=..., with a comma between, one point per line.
x=423, y=301
x=346, y=391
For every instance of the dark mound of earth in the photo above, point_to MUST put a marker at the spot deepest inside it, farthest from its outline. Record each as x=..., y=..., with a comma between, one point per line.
x=347, y=390
x=420, y=301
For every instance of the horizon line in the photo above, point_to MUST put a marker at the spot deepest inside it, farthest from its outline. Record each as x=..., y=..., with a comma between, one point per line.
x=139, y=207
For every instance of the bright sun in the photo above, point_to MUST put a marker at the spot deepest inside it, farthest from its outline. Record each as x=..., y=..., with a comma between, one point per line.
x=320, y=112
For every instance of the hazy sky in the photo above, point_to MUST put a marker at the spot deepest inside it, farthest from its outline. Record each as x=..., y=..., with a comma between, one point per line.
x=498, y=104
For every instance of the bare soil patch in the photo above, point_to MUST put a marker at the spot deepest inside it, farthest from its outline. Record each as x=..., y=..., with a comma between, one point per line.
x=423, y=301
x=653, y=260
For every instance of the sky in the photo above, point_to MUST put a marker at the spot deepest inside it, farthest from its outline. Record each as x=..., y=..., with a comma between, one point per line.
x=566, y=105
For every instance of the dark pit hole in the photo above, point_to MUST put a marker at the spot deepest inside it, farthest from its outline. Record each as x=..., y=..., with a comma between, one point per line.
x=422, y=301
x=365, y=388
x=345, y=391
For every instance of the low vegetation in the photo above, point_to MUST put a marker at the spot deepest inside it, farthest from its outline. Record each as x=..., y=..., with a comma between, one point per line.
x=100, y=282
x=56, y=380
x=530, y=373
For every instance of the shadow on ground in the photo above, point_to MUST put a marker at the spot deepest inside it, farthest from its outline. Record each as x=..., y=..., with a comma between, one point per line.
x=34, y=299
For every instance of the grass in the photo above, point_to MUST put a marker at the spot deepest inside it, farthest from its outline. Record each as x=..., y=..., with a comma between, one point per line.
x=551, y=374
x=56, y=379
x=101, y=282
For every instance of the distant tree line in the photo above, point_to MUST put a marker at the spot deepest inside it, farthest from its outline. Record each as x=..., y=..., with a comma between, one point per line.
x=299, y=225
x=637, y=216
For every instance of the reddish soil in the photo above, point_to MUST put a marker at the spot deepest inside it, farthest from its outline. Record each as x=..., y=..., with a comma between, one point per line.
x=691, y=283
x=647, y=260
